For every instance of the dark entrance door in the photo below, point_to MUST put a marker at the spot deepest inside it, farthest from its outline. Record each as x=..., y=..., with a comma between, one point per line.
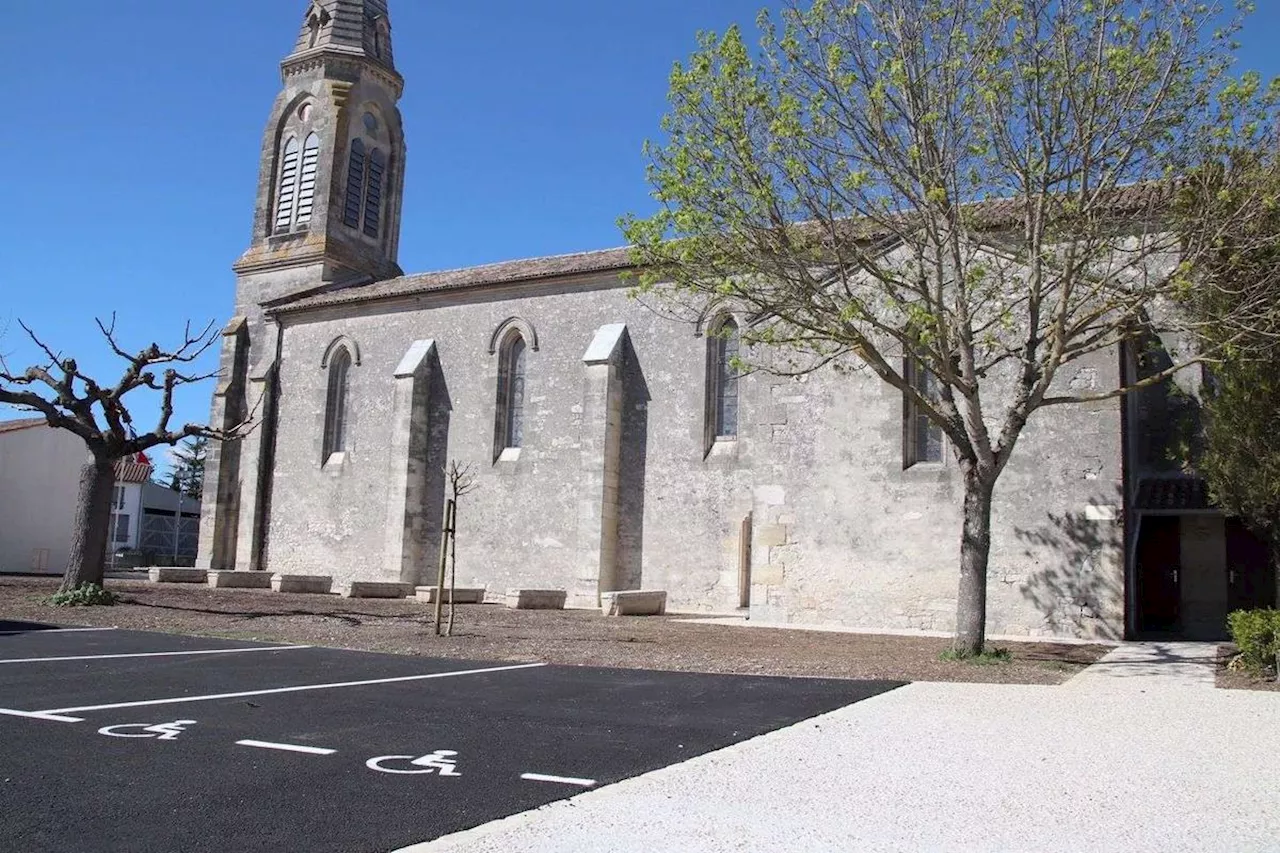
x=1251, y=580
x=1159, y=566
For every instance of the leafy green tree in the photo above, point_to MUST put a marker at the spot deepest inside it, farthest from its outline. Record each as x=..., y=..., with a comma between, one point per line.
x=1236, y=297
x=977, y=188
x=187, y=475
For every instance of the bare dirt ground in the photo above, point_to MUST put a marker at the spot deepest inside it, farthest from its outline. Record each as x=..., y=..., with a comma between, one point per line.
x=1240, y=680
x=573, y=637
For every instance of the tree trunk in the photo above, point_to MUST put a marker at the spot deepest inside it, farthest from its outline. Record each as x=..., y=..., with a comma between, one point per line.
x=91, y=531
x=975, y=551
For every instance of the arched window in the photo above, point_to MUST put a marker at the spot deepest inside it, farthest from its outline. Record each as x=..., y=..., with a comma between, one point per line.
x=335, y=418
x=355, y=185
x=924, y=439
x=373, y=195
x=307, y=183
x=511, y=379
x=722, y=381
x=288, y=190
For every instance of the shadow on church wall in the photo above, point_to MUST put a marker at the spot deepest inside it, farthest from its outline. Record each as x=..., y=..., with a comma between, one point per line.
x=1168, y=423
x=439, y=411
x=1079, y=584
x=632, y=461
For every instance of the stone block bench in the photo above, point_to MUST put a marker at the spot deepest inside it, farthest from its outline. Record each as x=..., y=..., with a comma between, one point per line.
x=536, y=599
x=634, y=602
x=319, y=584
x=462, y=595
x=377, y=589
x=176, y=575
x=240, y=580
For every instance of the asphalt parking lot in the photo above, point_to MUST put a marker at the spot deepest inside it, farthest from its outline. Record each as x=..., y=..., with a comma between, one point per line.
x=128, y=741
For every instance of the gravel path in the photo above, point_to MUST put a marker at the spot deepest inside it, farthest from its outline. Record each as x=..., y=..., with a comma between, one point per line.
x=1125, y=758
x=585, y=638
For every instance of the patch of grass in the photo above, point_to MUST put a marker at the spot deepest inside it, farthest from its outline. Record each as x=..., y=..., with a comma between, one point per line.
x=85, y=595
x=988, y=657
x=1058, y=666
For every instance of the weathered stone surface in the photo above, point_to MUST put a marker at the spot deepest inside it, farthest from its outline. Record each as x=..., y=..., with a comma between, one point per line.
x=614, y=482
x=634, y=602
x=319, y=584
x=462, y=595
x=240, y=580
x=167, y=574
x=536, y=599
x=376, y=589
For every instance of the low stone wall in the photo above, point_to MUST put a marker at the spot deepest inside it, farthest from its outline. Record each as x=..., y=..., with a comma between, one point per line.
x=461, y=595
x=634, y=602
x=536, y=599
x=170, y=574
x=240, y=580
x=317, y=584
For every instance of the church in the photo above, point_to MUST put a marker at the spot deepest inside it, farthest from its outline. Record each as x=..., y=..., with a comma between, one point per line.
x=615, y=449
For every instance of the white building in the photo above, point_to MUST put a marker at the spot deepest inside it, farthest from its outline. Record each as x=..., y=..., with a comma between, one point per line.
x=39, y=482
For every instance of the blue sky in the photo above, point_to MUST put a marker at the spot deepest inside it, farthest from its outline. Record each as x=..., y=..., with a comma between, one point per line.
x=129, y=160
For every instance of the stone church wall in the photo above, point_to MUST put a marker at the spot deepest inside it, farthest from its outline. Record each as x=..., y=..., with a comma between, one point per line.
x=839, y=532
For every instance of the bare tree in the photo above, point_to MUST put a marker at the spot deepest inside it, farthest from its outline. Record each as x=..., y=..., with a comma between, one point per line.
x=962, y=197
x=99, y=415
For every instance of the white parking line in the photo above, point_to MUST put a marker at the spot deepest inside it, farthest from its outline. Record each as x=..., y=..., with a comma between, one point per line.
x=157, y=654
x=181, y=700
x=39, y=715
x=52, y=631
x=286, y=747
x=562, y=780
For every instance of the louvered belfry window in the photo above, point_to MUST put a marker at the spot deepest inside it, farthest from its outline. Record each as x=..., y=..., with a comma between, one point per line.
x=307, y=184
x=355, y=185
x=288, y=191
x=373, y=195
x=366, y=179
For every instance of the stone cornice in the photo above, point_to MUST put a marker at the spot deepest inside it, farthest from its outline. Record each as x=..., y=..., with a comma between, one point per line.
x=330, y=59
x=266, y=260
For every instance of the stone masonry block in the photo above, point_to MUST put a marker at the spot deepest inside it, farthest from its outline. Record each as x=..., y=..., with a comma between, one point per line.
x=771, y=495
x=634, y=602
x=316, y=584
x=536, y=599
x=376, y=589
x=177, y=575
x=461, y=595
x=240, y=580
x=771, y=574
x=773, y=535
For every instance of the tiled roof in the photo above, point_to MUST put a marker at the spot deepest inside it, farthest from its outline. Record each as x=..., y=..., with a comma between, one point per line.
x=508, y=272
x=1173, y=494
x=132, y=471
x=25, y=423
x=1136, y=199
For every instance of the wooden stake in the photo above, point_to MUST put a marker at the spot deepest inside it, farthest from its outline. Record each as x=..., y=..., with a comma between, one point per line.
x=446, y=531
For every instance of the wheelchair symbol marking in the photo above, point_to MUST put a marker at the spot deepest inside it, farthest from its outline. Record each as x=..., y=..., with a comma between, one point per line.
x=442, y=761
x=159, y=731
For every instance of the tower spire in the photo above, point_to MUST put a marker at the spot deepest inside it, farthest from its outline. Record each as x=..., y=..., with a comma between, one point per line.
x=348, y=27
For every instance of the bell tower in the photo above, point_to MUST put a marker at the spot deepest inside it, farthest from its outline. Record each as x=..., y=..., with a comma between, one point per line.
x=332, y=176
x=327, y=216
